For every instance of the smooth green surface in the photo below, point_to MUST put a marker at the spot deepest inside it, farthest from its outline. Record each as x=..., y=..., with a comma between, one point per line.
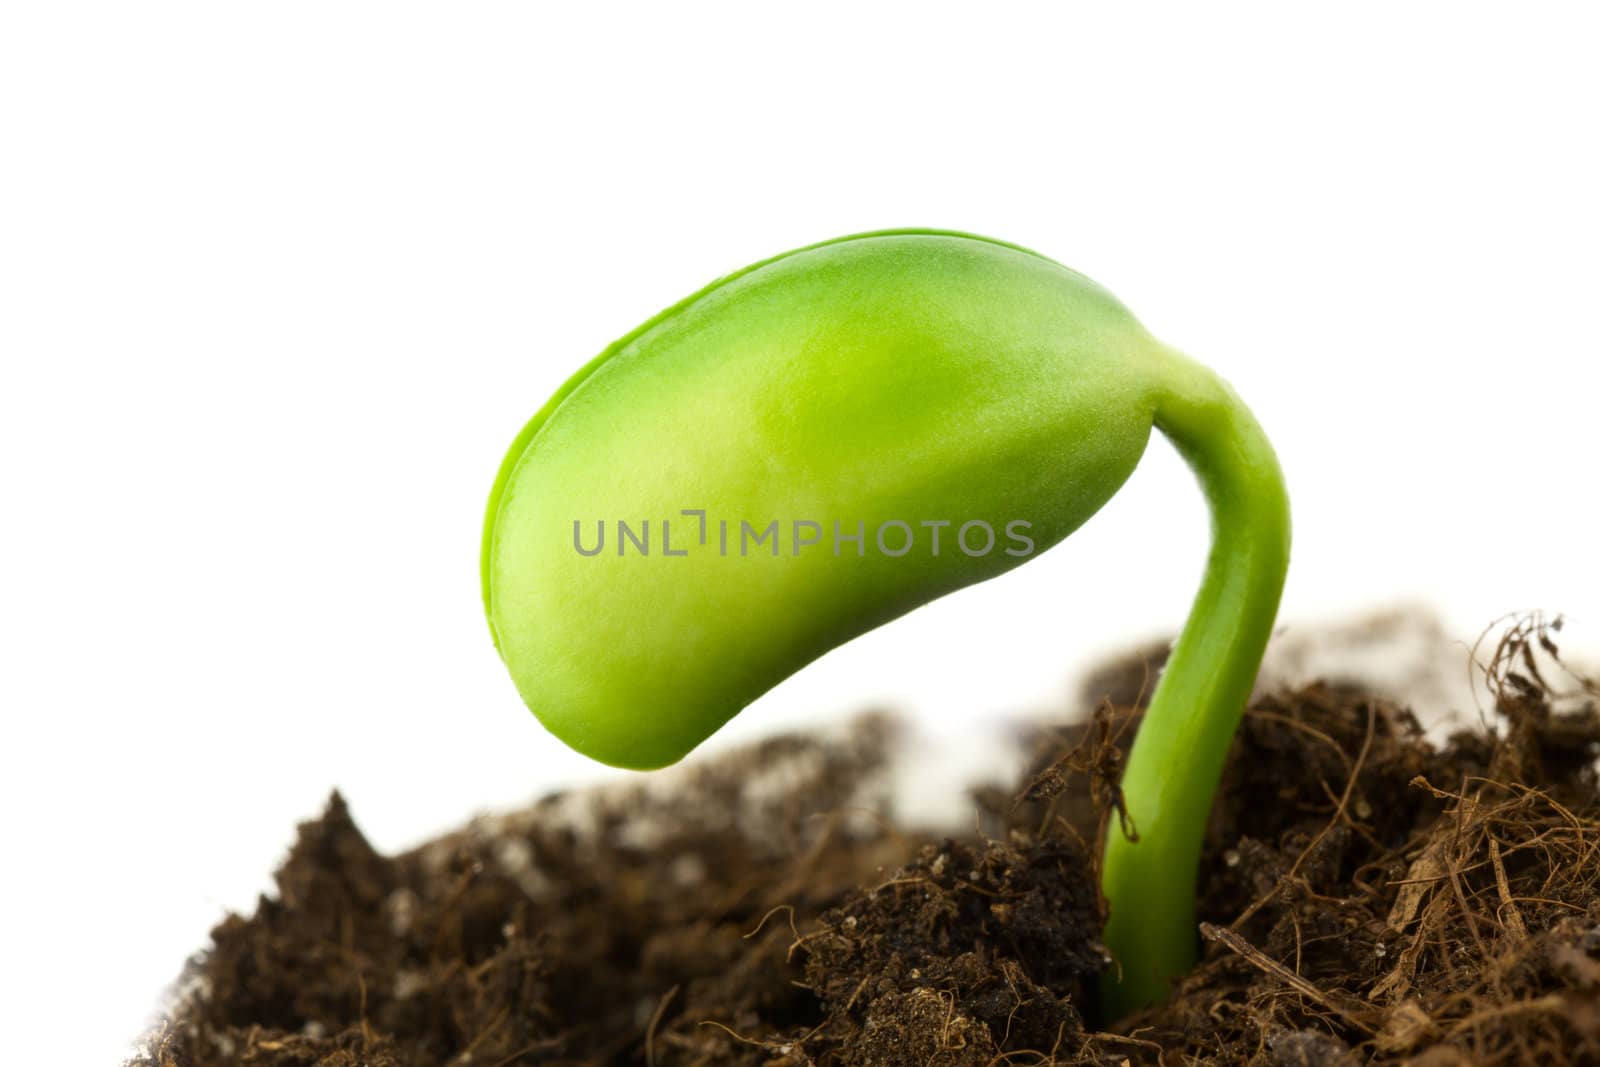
x=1176, y=760
x=913, y=376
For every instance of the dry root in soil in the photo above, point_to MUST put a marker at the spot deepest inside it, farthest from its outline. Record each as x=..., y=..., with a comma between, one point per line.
x=1367, y=898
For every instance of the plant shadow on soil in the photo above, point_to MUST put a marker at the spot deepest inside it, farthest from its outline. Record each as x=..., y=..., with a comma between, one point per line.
x=1366, y=897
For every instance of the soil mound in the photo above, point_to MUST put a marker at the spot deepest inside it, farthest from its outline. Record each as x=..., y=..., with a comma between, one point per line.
x=1367, y=897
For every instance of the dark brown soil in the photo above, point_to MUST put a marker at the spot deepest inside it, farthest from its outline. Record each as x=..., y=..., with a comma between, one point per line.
x=1367, y=897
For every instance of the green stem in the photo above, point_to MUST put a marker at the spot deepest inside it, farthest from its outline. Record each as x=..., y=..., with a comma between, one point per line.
x=1177, y=758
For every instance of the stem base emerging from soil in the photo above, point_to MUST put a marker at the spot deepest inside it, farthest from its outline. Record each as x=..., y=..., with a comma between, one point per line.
x=1152, y=853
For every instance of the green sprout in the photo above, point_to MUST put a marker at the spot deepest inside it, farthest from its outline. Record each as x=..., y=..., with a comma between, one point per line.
x=825, y=440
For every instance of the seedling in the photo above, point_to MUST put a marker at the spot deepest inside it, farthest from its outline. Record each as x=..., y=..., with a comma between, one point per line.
x=819, y=443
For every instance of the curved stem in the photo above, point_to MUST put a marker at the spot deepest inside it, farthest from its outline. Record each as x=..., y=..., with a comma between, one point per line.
x=1177, y=758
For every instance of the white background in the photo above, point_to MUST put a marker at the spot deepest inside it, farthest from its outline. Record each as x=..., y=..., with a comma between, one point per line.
x=279, y=283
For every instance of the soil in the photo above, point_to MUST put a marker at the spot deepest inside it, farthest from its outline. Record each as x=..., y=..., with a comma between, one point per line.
x=1367, y=896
